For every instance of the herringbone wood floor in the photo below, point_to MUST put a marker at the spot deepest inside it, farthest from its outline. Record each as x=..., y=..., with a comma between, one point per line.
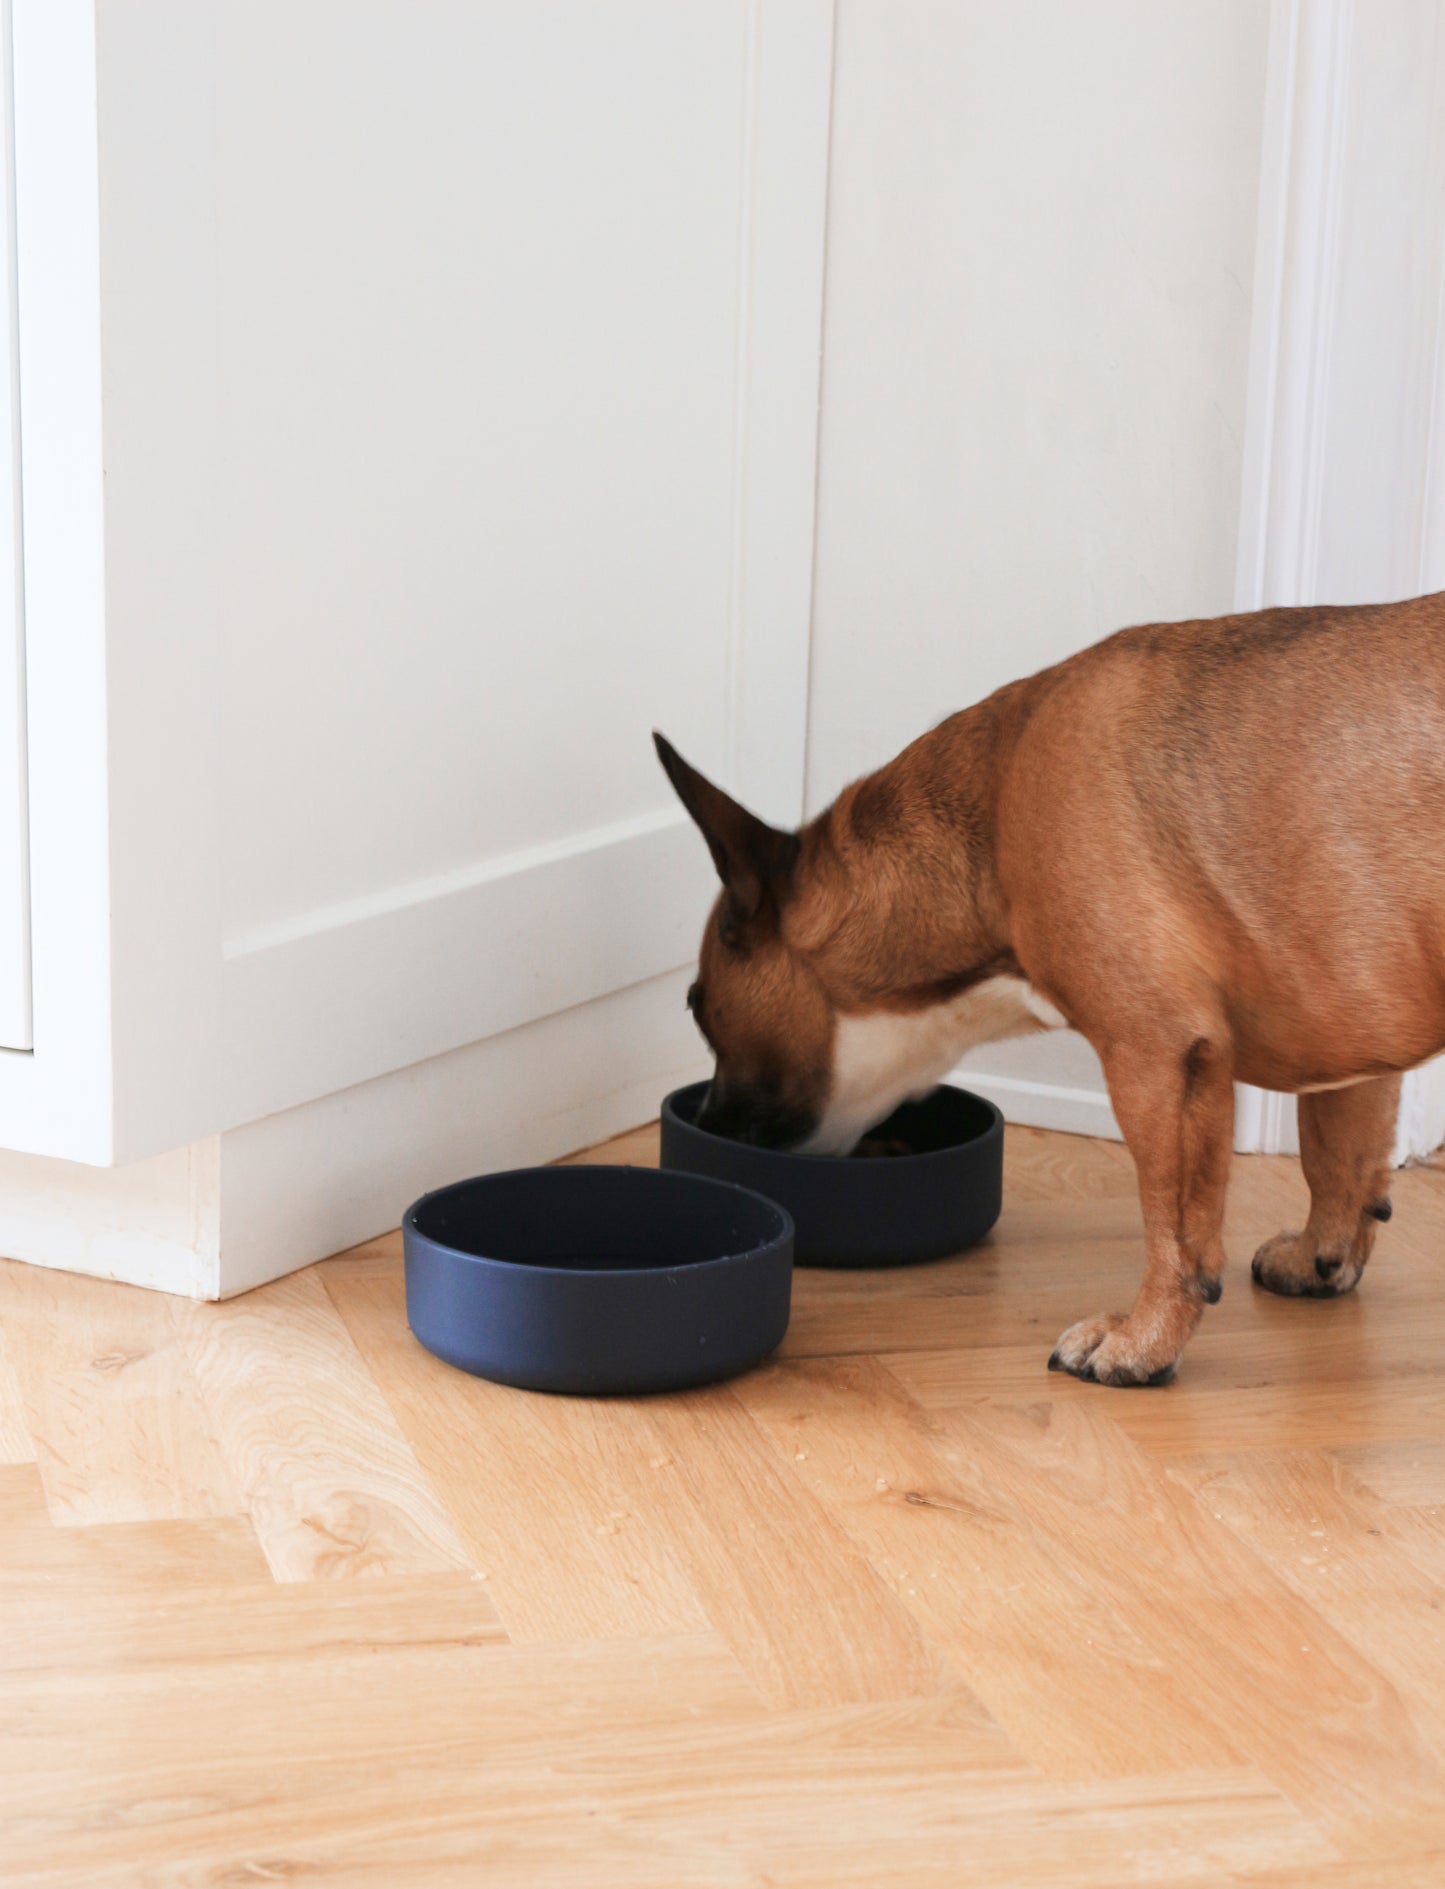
x=284, y=1599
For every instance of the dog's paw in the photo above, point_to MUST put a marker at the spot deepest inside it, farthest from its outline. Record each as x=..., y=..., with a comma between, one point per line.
x=1105, y=1350
x=1289, y=1265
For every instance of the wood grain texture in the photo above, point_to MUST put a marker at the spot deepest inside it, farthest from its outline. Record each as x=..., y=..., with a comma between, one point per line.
x=809, y=1617
x=900, y=1610
x=16, y=1443
x=326, y=1476
x=1015, y=1616
x=574, y=1466
x=115, y=1414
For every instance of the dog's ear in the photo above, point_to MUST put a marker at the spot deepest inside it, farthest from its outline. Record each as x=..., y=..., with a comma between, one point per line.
x=754, y=860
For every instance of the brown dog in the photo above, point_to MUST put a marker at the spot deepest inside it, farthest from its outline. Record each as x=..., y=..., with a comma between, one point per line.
x=1215, y=848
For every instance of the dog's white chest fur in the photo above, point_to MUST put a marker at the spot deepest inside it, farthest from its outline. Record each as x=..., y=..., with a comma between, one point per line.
x=886, y=1056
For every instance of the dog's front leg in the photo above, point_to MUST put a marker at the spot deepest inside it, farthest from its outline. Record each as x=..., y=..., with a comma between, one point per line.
x=1176, y=1108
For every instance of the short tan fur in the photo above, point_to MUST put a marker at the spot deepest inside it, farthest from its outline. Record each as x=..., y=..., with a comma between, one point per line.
x=1216, y=848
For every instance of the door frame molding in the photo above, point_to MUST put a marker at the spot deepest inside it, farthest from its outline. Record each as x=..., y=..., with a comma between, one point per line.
x=1340, y=151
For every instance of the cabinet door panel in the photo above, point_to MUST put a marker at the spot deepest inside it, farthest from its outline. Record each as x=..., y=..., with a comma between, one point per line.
x=15, y=1031
x=460, y=400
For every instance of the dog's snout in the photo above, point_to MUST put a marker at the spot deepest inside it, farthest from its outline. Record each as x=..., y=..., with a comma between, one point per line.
x=754, y=1115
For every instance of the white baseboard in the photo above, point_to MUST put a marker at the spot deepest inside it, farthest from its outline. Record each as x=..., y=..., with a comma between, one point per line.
x=1265, y=1121
x=1421, y=1127
x=1047, y=1081
x=153, y=1223
x=316, y=1179
x=231, y=1212
x=1045, y=1104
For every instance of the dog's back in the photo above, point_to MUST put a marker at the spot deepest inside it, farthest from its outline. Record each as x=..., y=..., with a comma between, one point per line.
x=1276, y=784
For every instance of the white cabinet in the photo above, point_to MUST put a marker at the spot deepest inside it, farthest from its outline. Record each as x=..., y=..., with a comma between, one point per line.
x=418, y=404
x=14, y=828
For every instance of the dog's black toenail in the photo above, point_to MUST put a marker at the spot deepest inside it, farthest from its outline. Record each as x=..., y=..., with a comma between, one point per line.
x=1379, y=1210
x=1056, y=1363
x=1210, y=1291
x=1326, y=1268
x=1164, y=1375
x=1256, y=1271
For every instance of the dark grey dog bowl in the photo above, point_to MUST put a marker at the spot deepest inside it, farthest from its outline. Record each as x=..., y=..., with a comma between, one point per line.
x=888, y=1210
x=598, y=1279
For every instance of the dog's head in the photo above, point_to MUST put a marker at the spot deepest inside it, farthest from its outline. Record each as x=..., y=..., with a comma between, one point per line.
x=846, y=968
x=761, y=1008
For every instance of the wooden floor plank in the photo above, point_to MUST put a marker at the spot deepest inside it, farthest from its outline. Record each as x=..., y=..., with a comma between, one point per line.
x=581, y=1567
x=1305, y=1385
x=118, y=1627
x=44, y=1568
x=808, y=1800
x=1332, y=1541
x=1038, y=1166
x=659, y=1515
x=329, y=1481
x=1044, y=1265
x=16, y=1443
x=329, y=1741
x=1325, y=1724
x=1395, y=1872
x=807, y=1615
x=1406, y=1470
x=119, y=1428
x=1027, y=1633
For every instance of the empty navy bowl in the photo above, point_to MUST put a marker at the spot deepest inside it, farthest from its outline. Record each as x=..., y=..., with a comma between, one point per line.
x=598, y=1280
x=886, y=1210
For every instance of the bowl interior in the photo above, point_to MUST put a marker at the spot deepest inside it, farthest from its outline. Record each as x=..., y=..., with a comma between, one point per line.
x=598, y=1219
x=944, y=1119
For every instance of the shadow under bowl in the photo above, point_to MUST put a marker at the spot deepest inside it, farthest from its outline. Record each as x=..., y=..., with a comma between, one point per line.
x=598, y=1280
x=891, y=1210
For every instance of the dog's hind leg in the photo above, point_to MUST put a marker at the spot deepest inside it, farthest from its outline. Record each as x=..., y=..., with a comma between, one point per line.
x=1346, y=1136
x=1177, y=1113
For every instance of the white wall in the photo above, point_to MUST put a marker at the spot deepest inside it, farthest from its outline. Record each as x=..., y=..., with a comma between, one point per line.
x=1041, y=241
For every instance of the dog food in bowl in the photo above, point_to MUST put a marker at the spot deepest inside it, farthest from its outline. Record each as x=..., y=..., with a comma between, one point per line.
x=924, y=1183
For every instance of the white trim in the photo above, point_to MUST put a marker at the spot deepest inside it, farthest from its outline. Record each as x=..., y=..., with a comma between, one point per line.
x=15, y=1017
x=1424, y=520
x=1045, y=1104
x=530, y=935
x=742, y=338
x=1421, y=1127
x=448, y=885
x=1265, y=1121
x=155, y=1223
x=1286, y=413
x=779, y=369
x=344, y=1168
x=1353, y=145
x=1296, y=269
x=58, y=1099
